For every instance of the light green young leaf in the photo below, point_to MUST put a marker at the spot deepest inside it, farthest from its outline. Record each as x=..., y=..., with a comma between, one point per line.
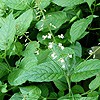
x=78, y=28
x=17, y=4
x=48, y=71
x=23, y=22
x=52, y=20
x=17, y=96
x=89, y=2
x=7, y=33
x=69, y=3
x=95, y=83
x=31, y=92
x=3, y=69
x=86, y=70
x=42, y=3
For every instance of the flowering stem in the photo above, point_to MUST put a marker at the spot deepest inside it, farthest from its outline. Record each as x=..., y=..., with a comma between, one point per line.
x=93, y=53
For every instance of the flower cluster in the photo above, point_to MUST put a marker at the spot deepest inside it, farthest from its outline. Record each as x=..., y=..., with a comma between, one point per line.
x=49, y=36
x=61, y=46
x=61, y=36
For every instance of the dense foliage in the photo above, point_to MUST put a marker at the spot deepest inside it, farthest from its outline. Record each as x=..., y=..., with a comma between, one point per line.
x=49, y=49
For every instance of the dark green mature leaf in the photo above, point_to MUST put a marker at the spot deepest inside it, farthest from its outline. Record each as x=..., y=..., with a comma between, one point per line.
x=52, y=20
x=95, y=83
x=7, y=33
x=23, y=22
x=30, y=92
x=48, y=71
x=3, y=69
x=42, y=3
x=78, y=28
x=17, y=4
x=68, y=3
x=86, y=70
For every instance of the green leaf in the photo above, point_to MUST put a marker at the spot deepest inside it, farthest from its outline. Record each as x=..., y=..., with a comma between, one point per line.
x=7, y=33
x=60, y=85
x=30, y=92
x=52, y=20
x=42, y=3
x=48, y=71
x=3, y=69
x=17, y=4
x=16, y=96
x=86, y=70
x=69, y=3
x=23, y=22
x=89, y=2
x=95, y=83
x=77, y=89
x=77, y=49
x=78, y=28
x=31, y=48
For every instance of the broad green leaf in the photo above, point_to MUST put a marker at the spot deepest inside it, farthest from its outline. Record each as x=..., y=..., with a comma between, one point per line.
x=23, y=22
x=44, y=89
x=17, y=96
x=60, y=85
x=3, y=69
x=86, y=70
x=42, y=3
x=95, y=83
x=77, y=49
x=17, y=4
x=93, y=94
x=48, y=71
x=31, y=48
x=30, y=92
x=15, y=48
x=78, y=28
x=89, y=2
x=3, y=88
x=51, y=21
x=77, y=89
x=2, y=21
x=68, y=3
x=7, y=33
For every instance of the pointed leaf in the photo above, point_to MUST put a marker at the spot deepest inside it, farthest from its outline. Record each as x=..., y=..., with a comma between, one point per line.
x=69, y=3
x=7, y=33
x=86, y=70
x=31, y=92
x=89, y=2
x=23, y=22
x=17, y=4
x=95, y=83
x=52, y=20
x=48, y=71
x=78, y=28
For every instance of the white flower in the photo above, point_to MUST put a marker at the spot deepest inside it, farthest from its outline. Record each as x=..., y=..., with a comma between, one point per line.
x=63, y=66
x=60, y=45
x=44, y=37
x=53, y=25
x=61, y=60
x=37, y=52
x=49, y=36
x=90, y=52
x=53, y=55
x=61, y=36
x=70, y=56
x=50, y=45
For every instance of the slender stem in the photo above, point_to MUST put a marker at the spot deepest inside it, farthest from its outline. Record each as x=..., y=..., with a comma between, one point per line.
x=69, y=86
x=94, y=29
x=93, y=53
x=27, y=38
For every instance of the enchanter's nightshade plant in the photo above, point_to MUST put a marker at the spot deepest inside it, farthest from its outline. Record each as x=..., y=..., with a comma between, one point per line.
x=47, y=50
